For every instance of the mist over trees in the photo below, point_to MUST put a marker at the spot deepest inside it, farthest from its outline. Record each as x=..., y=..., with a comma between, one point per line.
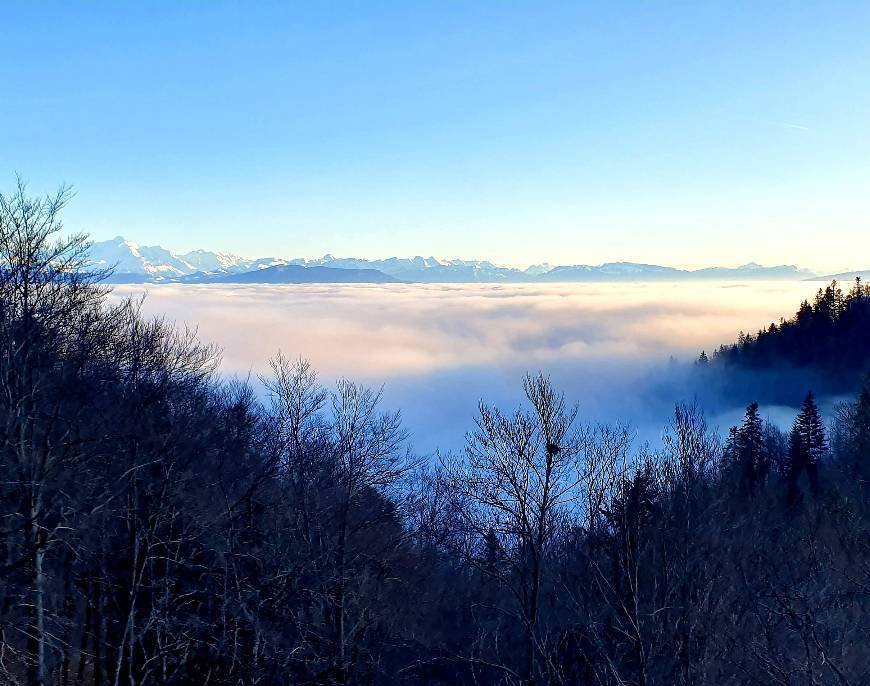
x=825, y=345
x=162, y=525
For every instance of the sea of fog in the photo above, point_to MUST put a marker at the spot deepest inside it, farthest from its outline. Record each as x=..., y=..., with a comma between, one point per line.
x=439, y=349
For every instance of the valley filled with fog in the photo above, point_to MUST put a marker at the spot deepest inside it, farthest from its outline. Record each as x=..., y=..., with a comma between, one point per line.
x=438, y=349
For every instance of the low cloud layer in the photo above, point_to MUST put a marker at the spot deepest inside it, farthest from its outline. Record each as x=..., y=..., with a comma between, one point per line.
x=438, y=348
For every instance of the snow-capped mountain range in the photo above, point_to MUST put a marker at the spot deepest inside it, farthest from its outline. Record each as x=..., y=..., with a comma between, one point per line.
x=155, y=262
x=135, y=263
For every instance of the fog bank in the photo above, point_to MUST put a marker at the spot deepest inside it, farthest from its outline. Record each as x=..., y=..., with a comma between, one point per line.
x=439, y=348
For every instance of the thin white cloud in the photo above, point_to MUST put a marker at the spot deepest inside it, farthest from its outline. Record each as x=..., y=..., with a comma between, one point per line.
x=794, y=127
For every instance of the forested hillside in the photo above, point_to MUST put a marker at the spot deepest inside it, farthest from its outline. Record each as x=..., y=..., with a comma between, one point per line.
x=831, y=335
x=162, y=525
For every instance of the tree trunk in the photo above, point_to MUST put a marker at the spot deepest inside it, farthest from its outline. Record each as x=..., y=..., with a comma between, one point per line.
x=39, y=589
x=36, y=637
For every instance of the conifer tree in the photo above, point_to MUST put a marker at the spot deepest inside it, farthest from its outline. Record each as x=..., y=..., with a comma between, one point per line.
x=795, y=463
x=730, y=451
x=750, y=448
x=493, y=553
x=807, y=445
x=857, y=293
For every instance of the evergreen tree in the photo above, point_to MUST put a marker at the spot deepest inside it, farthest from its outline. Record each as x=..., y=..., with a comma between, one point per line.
x=807, y=445
x=857, y=293
x=751, y=450
x=795, y=462
x=831, y=335
x=493, y=555
x=730, y=452
x=812, y=431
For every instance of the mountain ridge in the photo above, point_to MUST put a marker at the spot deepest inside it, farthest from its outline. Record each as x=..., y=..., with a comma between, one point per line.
x=864, y=275
x=136, y=263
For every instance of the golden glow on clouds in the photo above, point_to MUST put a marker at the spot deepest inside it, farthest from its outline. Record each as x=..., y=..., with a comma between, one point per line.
x=378, y=332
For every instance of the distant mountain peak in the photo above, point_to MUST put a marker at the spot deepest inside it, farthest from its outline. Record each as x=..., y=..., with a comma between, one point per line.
x=538, y=269
x=135, y=262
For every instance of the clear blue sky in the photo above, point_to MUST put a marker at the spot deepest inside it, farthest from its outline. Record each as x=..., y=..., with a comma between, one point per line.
x=682, y=133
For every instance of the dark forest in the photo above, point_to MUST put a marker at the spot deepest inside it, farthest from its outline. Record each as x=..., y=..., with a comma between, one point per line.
x=161, y=524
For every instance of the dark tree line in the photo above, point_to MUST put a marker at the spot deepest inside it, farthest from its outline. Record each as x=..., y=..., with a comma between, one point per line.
x=162, y=525
x=831, y=334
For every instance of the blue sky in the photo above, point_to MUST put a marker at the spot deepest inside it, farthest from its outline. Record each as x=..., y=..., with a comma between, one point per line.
x=681, y=133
